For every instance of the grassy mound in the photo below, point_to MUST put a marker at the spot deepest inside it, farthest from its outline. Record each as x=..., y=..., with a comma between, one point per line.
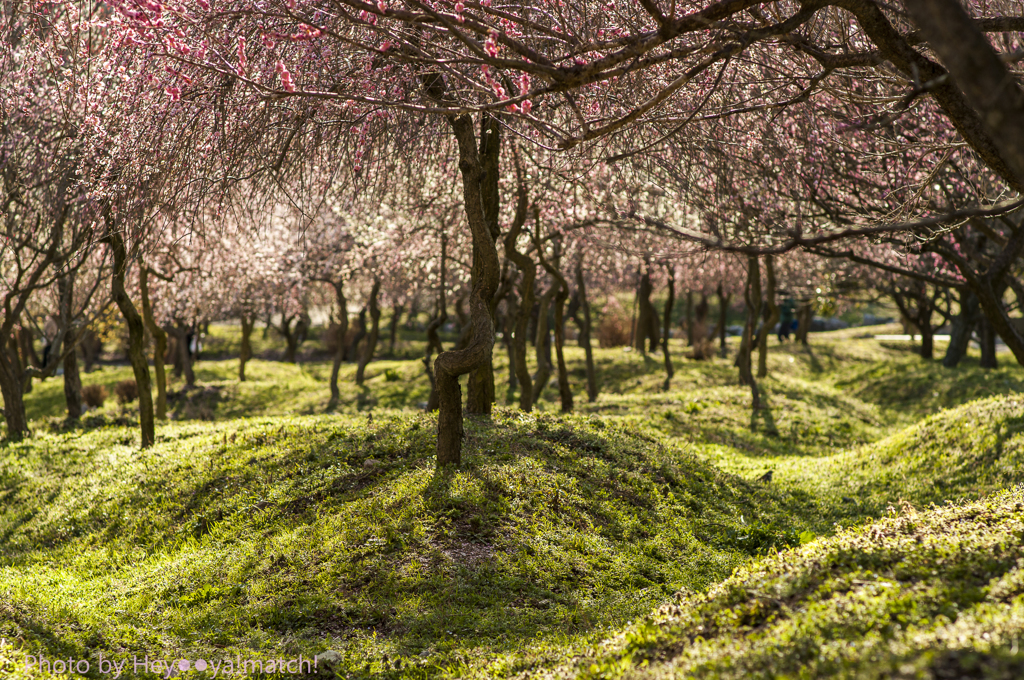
x=271, y=538
x=937, y=594
x=963, y=453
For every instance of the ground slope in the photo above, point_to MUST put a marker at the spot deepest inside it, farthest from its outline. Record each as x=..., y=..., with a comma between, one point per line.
x=274, y=537
x=933, y=594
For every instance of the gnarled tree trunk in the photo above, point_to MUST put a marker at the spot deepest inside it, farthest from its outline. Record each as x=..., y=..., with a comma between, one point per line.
x=450, y=365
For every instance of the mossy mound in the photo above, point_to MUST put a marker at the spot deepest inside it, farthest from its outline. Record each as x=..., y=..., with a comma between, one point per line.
x=275, y=537
x=930, y=595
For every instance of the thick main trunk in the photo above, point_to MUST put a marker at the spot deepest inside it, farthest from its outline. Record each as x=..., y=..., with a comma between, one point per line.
x=667, y=324
x=371, y=340
x=963, y=327
x=339, y=351
x=752, y=298
x=585, y=329
x=450, y=365
x=136, y=336
x=183, y=345
x=72, y=385
x=160, y=342
x=771, y=318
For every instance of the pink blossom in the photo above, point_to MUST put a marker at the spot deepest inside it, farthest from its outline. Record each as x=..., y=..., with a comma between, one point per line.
x=173, y=92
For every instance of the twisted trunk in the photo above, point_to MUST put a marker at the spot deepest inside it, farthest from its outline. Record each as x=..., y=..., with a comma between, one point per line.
x=450, y=365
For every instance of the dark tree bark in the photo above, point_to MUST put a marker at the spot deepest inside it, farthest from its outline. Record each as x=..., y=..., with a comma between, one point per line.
x=480, y=386
x=752, y=298
x=526, y=292
x=585, y=328
x=561, y=293
x=771, y=318
x=181, y=334
x=433, y=339
x=245, y=351
x=963, y=326
x=508, y=326
x=340, y=349
x=450, y=365
x=987, y=340
x=160, y=342
x=291, y=337
x=371, y=340
x=352, y=352
x=667, y=323
x=689, y=319
x=723, y=307
x=804, y=316
x=136, y=334
x=72, y=385
x=541, y=346
x=396, y=314
x=14, y=402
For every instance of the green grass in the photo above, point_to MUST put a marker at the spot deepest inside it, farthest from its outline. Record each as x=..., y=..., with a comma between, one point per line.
x=278, y=537
x=261, y=526
x=933, y=594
